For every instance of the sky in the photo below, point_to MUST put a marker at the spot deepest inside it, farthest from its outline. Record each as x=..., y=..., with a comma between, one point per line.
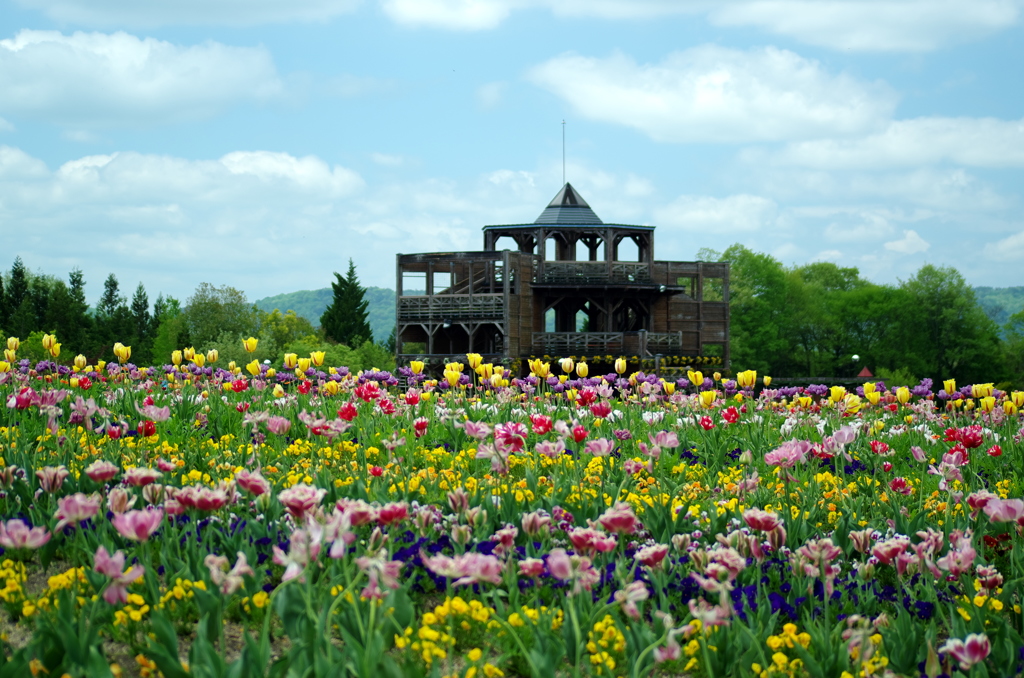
x=261, y=144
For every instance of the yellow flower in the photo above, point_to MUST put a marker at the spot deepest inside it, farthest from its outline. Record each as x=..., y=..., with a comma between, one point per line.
x=747, y=379
x=250, y=344
x=696, y=378
x=620, y=365
x=253, y=368
x=304, y=364
x=81, y=361
x=474, y=360
x=317, y=357
x=49, y=341
x=707, y=398
x=13, y=343
x=582, y=370
x=291, y=360
x=903, y=395
x=176, y=357
x=416, y=366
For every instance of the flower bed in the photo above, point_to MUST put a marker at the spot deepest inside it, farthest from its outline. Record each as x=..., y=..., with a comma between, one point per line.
x=380, y=524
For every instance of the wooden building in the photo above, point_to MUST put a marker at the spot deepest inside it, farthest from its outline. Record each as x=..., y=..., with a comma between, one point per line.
x=567, y=285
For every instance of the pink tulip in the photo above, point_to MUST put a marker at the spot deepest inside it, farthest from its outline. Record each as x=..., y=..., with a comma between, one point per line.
x=51, y=478
x=599, y=447
x=101, y=470
x=301, y=499
x=119, y=501
x=140, y=477
x=969, y=651
x=15, y=534
x=228, y=582
x=765, y=521
x=629, y=597
x=468, y=568
x=75, y=508
x=620, y=519
x=113, y=567
x=138, y=525
x=253, y=483
x=652, y=556
x=531, y=567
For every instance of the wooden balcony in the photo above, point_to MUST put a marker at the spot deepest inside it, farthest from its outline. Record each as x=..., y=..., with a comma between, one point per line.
x=644, y=344
x=451, y=306
x=592, y=273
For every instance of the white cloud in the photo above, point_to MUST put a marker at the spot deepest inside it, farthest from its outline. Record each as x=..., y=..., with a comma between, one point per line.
x=1010, y=248
x=189, y=12
x=6, y=126
x=466, y=15
x=98, y=79
x=910, y=243
x=848, y=25
x=712, y=94
x=734, y=214
x=828, y=255
x=388, y=160
x=490, y=94
x=979, y=142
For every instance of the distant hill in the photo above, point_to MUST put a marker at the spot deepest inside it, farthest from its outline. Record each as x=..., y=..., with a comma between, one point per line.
x=311, y=304
x=1000, y=302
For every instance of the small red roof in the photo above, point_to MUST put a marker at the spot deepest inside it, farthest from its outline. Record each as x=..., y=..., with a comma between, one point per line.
x=865, y=373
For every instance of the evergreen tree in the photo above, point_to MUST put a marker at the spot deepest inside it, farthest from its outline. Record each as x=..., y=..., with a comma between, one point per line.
x=113, y=319
x=78, y=334
x=142, y=326
x=346, y=319
x=4, y=313
x=18, y=285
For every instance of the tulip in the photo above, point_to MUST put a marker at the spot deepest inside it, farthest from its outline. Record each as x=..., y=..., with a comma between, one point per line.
x=189, y=353
x=279, y=391
x=9, y=355
x=113, y=567
x=474, y=360
x=80, y=362
x=138, y=525
x=416, y=366
x=15, y=534
x=988, y=403
x=869, y=387
x=1009, y=408
x=452, y=377
x=582, y=370
x=49, y=341
x=707, y=398
x=950, y=386
x=331, y=387
x=696, y=378
x=837, y=393
x=1018, y=398
x=873, y=397
x=4, y=366
x=253, y=368
x=317, y=358
x=250, y=344
x=669, y=387
x=903, y=395
x=13, y=343
x=199, y=359
x=291, y=360
x=620, y=365
x=766, y=380
x=176, y=357
x=304, y=364
x=747, y=379
x=212, y=355
x=55, y=350
x=271, y=372
x=567, y=365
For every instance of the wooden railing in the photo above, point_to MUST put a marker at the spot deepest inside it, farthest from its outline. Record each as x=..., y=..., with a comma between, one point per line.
x=591, y=272
x=452, y=306
x=606, y=343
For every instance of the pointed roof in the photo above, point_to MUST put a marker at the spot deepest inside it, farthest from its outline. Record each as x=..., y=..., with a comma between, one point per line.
x=568, y=207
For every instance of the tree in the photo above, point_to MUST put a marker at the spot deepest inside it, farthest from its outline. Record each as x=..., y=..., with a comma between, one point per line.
x=758, y=310
x=142, y=326
x=113, y=319
x=4, y=313
x=78, y=334
x=18, y=286
x=346, y=320
x=170, y=334
x=211, y=311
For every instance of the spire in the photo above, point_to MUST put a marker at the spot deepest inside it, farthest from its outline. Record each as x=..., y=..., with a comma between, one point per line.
x=568, y=207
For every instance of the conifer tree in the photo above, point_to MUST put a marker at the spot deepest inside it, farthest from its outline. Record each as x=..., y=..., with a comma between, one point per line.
x=346, y=319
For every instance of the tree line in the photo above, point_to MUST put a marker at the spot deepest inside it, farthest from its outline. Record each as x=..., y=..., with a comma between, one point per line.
x=34, y=304
x=811, y=320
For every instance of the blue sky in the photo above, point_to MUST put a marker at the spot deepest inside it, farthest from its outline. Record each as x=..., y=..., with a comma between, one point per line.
x=261, y=143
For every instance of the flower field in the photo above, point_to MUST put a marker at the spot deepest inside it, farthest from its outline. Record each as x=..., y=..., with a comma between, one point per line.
x=194, y=519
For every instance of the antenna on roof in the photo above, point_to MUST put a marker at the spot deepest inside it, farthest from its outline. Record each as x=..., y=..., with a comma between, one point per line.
x=563, y=152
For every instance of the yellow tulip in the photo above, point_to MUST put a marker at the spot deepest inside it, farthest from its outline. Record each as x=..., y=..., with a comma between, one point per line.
x=541, y=370
x=852, y=403
x=212, y=355
x=452, y=377
x=620, y=365
x=176, y=357
x=48, y=341
x=566, y=364
x=669, y=387
x=9, y=355
x=969, y=404
x=746, y=379
x=837, y=393
x=981, y=390
x=253, y=368
x=873, y=397
x=455, y=367
x=72, y=382
x=278, y=391
x=416, y=366
x=250, y=344
x=5, y=366
x=804, y=401
x=13, y=343
x=199, y=359
x=485, y=371
x=304, y=364
x=499, y=370
x=903, y=395
x=81, y=361
x=717, y=376
x=988, y=403
x=474, y=360
x=696, y=378
x=766, y=380
x=869, y=387
x=331, y=387
x=950, y=386
x=317, y=357
x=226, y=387
x=55, y=350
x=291, y=360
x=707, y=398
x=582, y=370
x=100, y=364
x=189, y=353
x=1010, y=408
x=1018, y=398
x=231, y=366
x=271, y=373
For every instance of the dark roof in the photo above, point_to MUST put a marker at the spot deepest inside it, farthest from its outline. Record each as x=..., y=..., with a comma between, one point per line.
x=568, y=207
